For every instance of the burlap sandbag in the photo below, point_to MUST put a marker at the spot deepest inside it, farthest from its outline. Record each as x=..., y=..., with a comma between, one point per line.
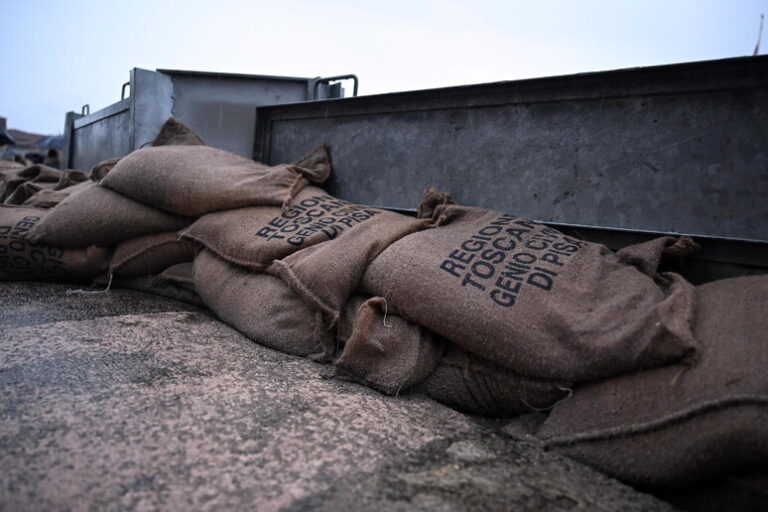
x=175, y=133
x=96, y=215
x=663, y=251
x=181, y=274
x=194, y=180
x=101, y=169
x=22, y=184
x=172, y=133
x=174, y=283
x=150, y=254
x=470, y=384
x=22, y=261
x=254, y=237
x=386, y=352
x=27, y=190
x=530, y=299
x=677, y=424
x=42, y=194
x=392, y=355
x=259, y=305
x=326, y=274
x=50, y=198
x=12, y=177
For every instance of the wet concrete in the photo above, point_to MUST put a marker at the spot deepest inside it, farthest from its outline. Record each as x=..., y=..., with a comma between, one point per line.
x=125, y=401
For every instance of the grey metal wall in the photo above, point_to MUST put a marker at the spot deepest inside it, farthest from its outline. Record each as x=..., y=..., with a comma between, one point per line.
x=681, y=148
x=221, y=108
x=91, y=138
x=123, y=126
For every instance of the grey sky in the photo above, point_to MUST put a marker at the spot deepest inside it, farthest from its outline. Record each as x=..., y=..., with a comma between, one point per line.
x=59, y=55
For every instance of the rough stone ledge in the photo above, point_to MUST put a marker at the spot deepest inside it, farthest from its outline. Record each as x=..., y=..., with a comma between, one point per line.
x=124, y=401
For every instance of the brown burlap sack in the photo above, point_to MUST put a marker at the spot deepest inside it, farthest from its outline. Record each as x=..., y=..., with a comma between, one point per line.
x=386, y=352
x=50, y=198
x=194, y=180
x=25, y=191
x=42, y=194
x=677, y=424
x=96, y=215
x=150, y=254
x=22, y=261
x=530, y=299
x=175, y=133
x=181, y=274
x=174, y=283
x=254, y=237
x=326, y=274
x=20, y=184
x=647, y=257
x=101, y=169
x=259, y=305
x=392, y=355
x=470, y=384
x=172, y=133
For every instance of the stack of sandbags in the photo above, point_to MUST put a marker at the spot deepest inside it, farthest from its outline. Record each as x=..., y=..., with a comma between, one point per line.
x=37, y=185
x=649, y=379
x=679, y=424
x=305, y=260
x=393, y=355
x=20, y=260
x=117, y=207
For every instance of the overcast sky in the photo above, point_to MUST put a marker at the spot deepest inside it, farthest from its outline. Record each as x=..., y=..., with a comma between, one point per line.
x=59, y=55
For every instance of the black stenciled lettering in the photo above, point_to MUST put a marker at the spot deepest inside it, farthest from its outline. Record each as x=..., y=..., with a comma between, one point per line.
x=468, y=280
x=452, y=267
x=524, y=258
x=507, y=284
x=490, y=230
x=536, y=244
x=37, y=256
x=540, y=280
x=331, y=231
x=517, y=233
x=265, y=232
x=565, y=247
x=472, y=245
x=552, y=258
x=493, y=256
x=502, y=298
x=461, y=256
x=501, y=244
x=483, y=269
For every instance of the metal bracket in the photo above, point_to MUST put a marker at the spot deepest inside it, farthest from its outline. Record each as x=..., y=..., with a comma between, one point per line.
x=122, y=92
x=86, y=110
x=326, y=80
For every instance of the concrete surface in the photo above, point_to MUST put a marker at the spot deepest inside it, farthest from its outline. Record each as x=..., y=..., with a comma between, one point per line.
x=125, y=401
